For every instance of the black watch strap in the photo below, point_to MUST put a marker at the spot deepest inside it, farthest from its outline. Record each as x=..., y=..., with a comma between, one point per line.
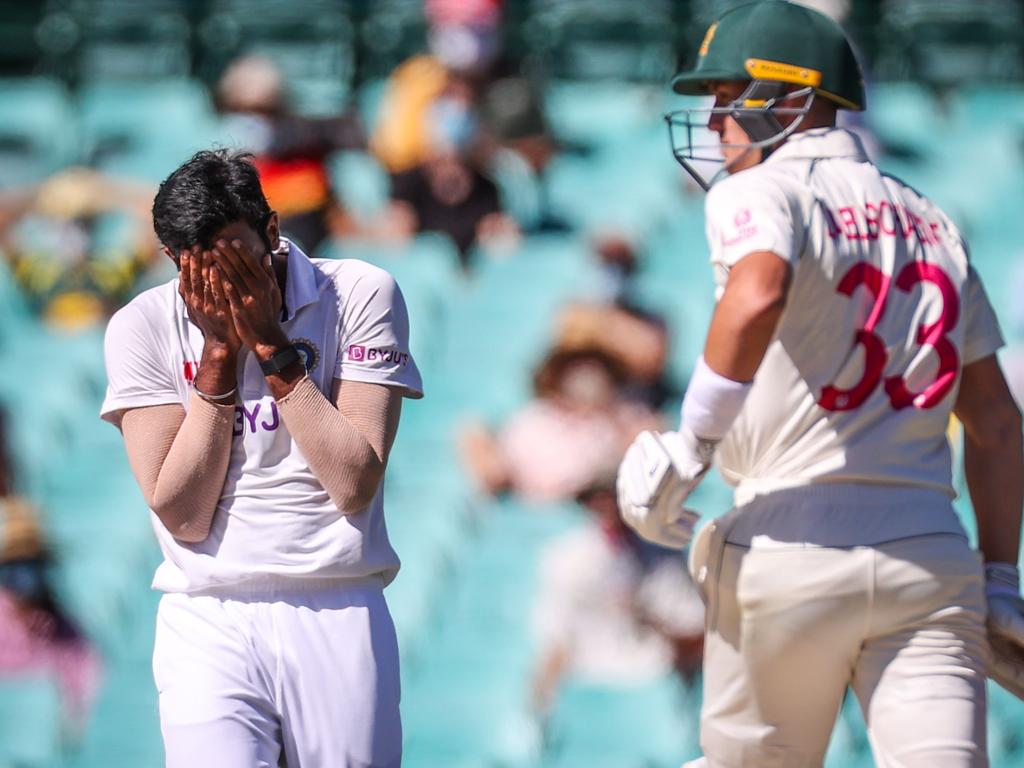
x=280, y=360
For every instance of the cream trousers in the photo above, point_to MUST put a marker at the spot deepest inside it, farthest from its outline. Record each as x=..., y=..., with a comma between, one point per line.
x=790, y=626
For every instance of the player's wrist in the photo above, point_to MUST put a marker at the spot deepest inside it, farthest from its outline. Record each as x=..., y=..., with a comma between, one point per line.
x=275, y=344
x=218, y=351
x=712, y=403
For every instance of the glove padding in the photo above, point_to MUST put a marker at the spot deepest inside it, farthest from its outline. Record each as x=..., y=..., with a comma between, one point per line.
x=1006, y=666
x=657, y=474
x=1005, y=626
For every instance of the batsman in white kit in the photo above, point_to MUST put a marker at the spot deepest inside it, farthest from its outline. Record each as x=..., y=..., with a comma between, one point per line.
x=849, y=326
x=259, y=395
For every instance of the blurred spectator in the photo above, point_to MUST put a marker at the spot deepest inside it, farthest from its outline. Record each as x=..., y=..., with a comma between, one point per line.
x=464, y=34
x=36, y=635
x=79, y=245
x=577, y=423
x=463, y=37
x=520, y=147
x=291, y=150
x=613, y=610
x=401, y=140
x=638, y=340
x=428, y=132
x=447, y=192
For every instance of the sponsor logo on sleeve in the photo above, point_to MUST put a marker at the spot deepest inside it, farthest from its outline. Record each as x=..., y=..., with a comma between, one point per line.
x=360, y=354
x=744, y=228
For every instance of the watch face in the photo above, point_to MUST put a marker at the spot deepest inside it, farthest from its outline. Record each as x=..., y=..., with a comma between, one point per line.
x=308, y=353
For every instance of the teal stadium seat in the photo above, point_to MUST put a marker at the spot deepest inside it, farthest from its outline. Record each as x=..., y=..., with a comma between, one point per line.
x=131, y=41
x=465, y=702
x=360, y=182
x=38, y=133
x=30, y=722
x=1005, y=727
x=647, y=724
x=597, y=40
x=390, y=31
x=144, y=129
x=311, y=42
x=502, y=320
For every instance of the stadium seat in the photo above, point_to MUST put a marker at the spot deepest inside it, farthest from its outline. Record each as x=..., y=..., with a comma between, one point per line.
x=602, y=40
x=30, y=721
x=312, y=43
x=501, y=322
x=950, y=42
x=599, y=113
x=144, y=130
x=38, y=134
x=390, y=31
x=131, y=41
x=125, y=727
x=360, y=182
x=623, y=726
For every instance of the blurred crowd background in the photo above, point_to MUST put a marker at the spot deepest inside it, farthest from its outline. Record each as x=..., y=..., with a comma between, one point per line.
x=508, y=163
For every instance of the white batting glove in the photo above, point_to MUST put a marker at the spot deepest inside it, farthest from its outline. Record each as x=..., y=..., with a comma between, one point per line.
x=1005, y=607
x=657, y=474
x=1006, y=665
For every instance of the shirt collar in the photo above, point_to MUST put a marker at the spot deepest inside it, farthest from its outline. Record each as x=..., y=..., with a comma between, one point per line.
x=819, y=143
x=300, y=289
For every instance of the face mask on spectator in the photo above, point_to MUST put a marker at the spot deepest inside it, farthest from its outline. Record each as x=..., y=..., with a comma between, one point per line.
x=453, y=125
x=586, y=386
x=611, y=283
x=26, y=579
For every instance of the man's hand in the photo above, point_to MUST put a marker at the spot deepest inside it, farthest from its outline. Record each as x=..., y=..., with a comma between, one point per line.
x=657, y=474
x=202, y=289
x=1005, y=626
x=254, y=297
x=1005, y=607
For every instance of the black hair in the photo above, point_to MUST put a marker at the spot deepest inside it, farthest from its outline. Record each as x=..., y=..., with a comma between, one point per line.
x=211, y=190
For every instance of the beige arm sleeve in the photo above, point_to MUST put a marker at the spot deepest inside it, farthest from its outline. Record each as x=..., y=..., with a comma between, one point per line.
x=345, y=442
x=180, y=461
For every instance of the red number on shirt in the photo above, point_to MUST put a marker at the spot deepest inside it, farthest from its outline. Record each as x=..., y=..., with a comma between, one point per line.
x=932, y=335
x=875, y=356
x=877, y=283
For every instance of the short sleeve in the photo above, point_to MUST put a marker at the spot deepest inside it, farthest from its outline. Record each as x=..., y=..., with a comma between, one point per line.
x=375, y=335
x=137, y=374
x=982, y=336
x=746, y=214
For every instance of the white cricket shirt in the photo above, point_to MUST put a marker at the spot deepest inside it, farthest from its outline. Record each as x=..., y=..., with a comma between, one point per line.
x=275, y=526
x=883, y=312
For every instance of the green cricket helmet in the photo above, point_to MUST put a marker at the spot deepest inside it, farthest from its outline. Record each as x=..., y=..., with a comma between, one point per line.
x=789, y=53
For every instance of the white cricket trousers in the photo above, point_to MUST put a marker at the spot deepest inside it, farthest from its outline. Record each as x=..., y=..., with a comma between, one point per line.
x=789, y=627
x=312, y=673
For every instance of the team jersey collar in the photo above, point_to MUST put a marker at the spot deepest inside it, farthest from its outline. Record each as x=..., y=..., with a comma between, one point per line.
x=820, y=143
x=300, y=290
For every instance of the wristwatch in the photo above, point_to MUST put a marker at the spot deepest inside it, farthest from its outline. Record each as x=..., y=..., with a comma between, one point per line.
x=280, y=360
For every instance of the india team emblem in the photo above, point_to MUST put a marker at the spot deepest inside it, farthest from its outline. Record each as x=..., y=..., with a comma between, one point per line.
x=308, y=352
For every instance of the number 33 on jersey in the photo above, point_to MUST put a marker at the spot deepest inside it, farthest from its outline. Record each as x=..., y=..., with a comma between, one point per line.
x=883, y=312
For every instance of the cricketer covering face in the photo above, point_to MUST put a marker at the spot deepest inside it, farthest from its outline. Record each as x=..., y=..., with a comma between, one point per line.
x=850, y=326
x=259, y=396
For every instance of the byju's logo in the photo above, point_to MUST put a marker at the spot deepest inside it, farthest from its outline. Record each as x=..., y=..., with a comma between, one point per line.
x=357, y=352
